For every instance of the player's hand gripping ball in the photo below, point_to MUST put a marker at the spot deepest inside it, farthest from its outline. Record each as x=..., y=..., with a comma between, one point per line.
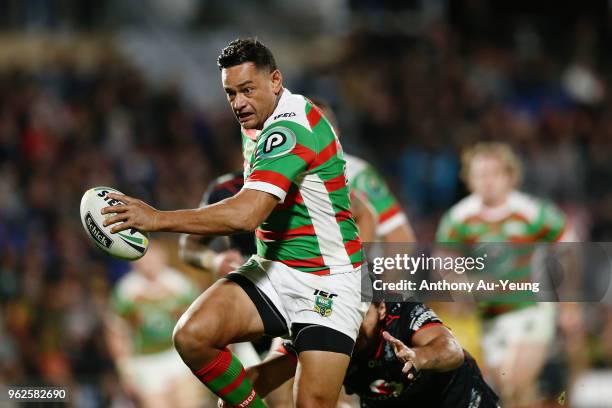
x=129, y=244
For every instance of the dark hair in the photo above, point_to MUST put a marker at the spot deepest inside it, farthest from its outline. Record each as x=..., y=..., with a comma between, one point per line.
x=243, y=50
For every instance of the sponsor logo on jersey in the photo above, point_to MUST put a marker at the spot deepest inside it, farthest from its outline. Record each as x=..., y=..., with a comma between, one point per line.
x=276, y=142
x=284, y=115
x=96, y=232
x=324, y=302
x=420, y=318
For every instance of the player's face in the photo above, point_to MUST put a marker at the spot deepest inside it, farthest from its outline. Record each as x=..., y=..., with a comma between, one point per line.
x=251, y=92
x=490, y=179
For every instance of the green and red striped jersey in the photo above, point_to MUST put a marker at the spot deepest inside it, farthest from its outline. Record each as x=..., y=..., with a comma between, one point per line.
x=364, y=179
x=298, y=158
x=521, y=220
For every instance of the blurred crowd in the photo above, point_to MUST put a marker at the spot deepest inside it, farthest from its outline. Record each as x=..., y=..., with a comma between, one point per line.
x=407, y=105
x=61, y=132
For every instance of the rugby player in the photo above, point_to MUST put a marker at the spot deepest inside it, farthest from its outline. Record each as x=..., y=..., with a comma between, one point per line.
x=368, y=191
x=376, y=211
x=305, y=279
x=404, y=357
x=517, y=334
x=222, y=255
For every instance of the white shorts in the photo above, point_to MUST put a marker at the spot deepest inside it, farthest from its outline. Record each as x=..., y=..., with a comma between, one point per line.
x=533, y=324
x=293, y=297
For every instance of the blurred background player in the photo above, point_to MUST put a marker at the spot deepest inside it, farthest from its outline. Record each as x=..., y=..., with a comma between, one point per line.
x=517, y=334
x=404, y=357
x=148, y=301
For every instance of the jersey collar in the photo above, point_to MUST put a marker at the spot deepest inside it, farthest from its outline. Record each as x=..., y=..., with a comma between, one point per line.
x=250, y=133
x=279, y=107
x=493, y=214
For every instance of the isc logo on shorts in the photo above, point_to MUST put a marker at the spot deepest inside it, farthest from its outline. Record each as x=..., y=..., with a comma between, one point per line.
x=323, y=302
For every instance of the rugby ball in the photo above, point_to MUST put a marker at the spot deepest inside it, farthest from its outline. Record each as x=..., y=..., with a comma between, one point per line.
x=129, y=244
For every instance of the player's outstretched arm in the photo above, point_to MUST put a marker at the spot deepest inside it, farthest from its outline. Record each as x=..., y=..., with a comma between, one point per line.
x=241, y=213
x=435, y=348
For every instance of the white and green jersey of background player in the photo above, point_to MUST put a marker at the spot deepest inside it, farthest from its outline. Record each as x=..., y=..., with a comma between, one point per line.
x=369, y=184
x=151, y=313
x=298, y=158
x=522, y=220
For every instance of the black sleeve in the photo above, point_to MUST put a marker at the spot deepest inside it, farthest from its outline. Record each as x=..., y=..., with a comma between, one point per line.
x=417, y=316
x=214, y=194
x=221, y=188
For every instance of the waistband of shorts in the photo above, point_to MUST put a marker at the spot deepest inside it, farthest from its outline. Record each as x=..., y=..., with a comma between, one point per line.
x=331, y=270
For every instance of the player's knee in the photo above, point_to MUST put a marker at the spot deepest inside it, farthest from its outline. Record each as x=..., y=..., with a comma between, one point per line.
x=315, y=399
x=191, y=337
x=310, y=397
x=182, y=337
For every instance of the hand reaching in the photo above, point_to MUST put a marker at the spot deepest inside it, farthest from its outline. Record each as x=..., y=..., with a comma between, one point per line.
x=405, y=354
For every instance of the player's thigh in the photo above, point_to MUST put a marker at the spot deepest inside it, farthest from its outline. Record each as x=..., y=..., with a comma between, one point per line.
x=223, y=314
x=318, y=378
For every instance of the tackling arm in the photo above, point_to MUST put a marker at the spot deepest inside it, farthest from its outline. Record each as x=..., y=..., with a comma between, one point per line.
x=212, y=254
x=273, y=372
x=435, y=348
